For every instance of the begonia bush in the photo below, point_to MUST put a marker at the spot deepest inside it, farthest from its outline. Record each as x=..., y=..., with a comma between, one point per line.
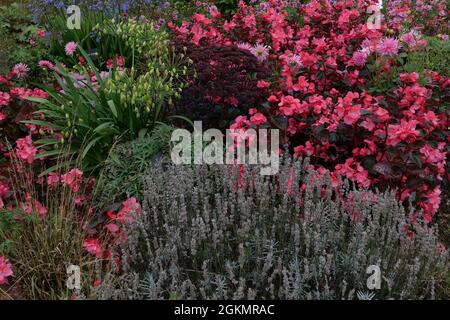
x=338, y=93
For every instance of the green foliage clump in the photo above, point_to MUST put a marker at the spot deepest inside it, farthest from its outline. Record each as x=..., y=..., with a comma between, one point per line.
x=17, y=29
x=97, y=35
x=435, y=57
x=93, y=114
x=125, y=168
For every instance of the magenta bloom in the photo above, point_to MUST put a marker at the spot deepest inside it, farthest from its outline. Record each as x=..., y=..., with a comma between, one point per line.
x=359, y=58
x=261, y=52
x=388, y=47
x=244, y=46
x=5, y=270
x=20, y=70
x=5, y=98
x=25, y=149
x=73, y=179
x=70, y=48
x=45, y=64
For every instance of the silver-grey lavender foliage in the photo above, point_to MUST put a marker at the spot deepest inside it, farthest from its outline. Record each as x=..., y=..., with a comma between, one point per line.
x=208, y=233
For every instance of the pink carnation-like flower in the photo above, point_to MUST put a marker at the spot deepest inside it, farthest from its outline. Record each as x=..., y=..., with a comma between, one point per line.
x=388, y=47
x=52, y=179
x=359, y=58
x=20, y=70
x=261, y=52
x=33, y=205
x=45, y=64
x=5, y=270
x=70, y=48
x=244, y=46
x=25, y=149
x=72, y=179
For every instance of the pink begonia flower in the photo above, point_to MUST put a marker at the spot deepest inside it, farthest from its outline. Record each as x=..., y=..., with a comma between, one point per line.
x=72, y=179
x=41, y=209
x=431, y=117
x=382, y=114
x=112, y=228
x=93, y=246
x=5, y=270
x=228, y=26
x=352, y=114
x=431, y=155
x=129, y=206
x=289, y=105
x=258, y=118
x=405, y=131
x=70, y=48
x=25, y=149
x=261, y=84
x=431, y=206
x=5, y=98
x=307, y=150
x=233, y=101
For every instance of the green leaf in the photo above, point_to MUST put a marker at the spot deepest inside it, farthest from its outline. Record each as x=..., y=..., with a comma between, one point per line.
x=89, y=146
x=112, y=107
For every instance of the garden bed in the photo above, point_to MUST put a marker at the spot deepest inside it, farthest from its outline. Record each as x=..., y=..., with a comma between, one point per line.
x=97, y=112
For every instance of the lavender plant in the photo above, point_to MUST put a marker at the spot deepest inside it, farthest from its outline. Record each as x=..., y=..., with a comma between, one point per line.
x=217, y=232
